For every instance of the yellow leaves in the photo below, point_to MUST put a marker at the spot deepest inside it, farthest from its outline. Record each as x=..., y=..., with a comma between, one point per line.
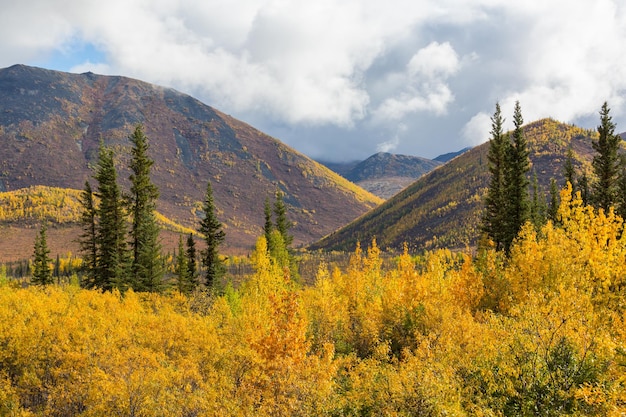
x=40, y=202
x=442, y=333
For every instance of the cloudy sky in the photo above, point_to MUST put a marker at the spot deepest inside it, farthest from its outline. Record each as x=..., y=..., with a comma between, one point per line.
x=343, y=79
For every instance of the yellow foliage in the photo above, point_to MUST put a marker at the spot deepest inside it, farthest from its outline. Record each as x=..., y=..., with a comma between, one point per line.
x=60, y=205
x=542, y=333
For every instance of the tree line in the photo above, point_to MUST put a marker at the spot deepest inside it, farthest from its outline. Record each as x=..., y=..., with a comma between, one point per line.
x=512, y=199
x=120, y=243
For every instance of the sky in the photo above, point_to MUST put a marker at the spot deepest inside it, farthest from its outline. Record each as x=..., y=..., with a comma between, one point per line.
x=340, y=80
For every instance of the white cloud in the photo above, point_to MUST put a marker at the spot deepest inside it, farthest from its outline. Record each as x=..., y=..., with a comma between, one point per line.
x=476, y=131
x=361, y=67
x=423, y=84
x=434, y=61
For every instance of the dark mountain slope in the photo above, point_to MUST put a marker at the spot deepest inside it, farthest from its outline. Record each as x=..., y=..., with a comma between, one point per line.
x=51, y=123
x=443, y=208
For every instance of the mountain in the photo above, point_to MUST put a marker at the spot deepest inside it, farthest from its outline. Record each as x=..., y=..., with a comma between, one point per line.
x=448, y=156
x=384, y=164
x=51, y=124
x=443, y=208
x=385, y=174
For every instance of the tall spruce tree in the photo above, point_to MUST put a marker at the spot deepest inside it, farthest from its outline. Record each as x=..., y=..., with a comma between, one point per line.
x=282, y=223
x=494, y=218
x=606, y=163
x=113, y=256
x=42, y=273
x=88, y=242
x=147, y=264
x=211, y=228
x=268, y=226
x=517, y=180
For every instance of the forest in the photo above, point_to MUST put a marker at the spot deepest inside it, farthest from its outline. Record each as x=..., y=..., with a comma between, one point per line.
x=531, y=323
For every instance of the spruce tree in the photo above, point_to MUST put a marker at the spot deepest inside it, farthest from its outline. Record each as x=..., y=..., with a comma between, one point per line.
x=192, y=267
x=42, y=273
x=606, y=163
x=621, y=188
x=113, y=256
x=268, y=226
x=147, y=265
x=516, y=180
x=583, y=187
x=211, y=228
x=88, y=243
x=538, y=207
x=569, y=172
x=181, y=269
x=553, y=207
x=56, y=272
x=494, y=218
x=282, y=224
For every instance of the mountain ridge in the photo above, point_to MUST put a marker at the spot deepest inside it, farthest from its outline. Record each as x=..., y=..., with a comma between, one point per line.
x=51, y=124
x=443, y=208
x=384, y=174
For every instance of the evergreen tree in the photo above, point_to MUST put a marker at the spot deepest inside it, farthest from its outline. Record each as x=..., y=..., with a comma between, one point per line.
x=606, y=163
x=569, y=172
x=211, y=228
x=181, y=269
x=192, y=268
x=56, y=272
x=268, y=227
x=282, y=224
x=538, y=206
x=113, y=257
x=517, y=181
x=621, y=189
x=494, y=218
x=583, y=187
x=553, y=208
x=88, y=239
x=147, y=265
x=42, y=273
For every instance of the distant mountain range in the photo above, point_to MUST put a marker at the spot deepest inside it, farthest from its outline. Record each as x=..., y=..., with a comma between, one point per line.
x=443, y=208
x=51, y=123
x=386, y=174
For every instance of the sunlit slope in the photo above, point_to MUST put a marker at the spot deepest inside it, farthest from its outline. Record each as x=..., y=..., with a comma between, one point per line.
x=443, y=208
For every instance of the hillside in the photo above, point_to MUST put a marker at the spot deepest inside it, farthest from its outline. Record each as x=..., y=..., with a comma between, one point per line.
x=443, y=208
x=51, y=123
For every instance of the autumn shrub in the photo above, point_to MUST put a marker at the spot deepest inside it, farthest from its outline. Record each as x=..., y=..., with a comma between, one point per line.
x=541, y=332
